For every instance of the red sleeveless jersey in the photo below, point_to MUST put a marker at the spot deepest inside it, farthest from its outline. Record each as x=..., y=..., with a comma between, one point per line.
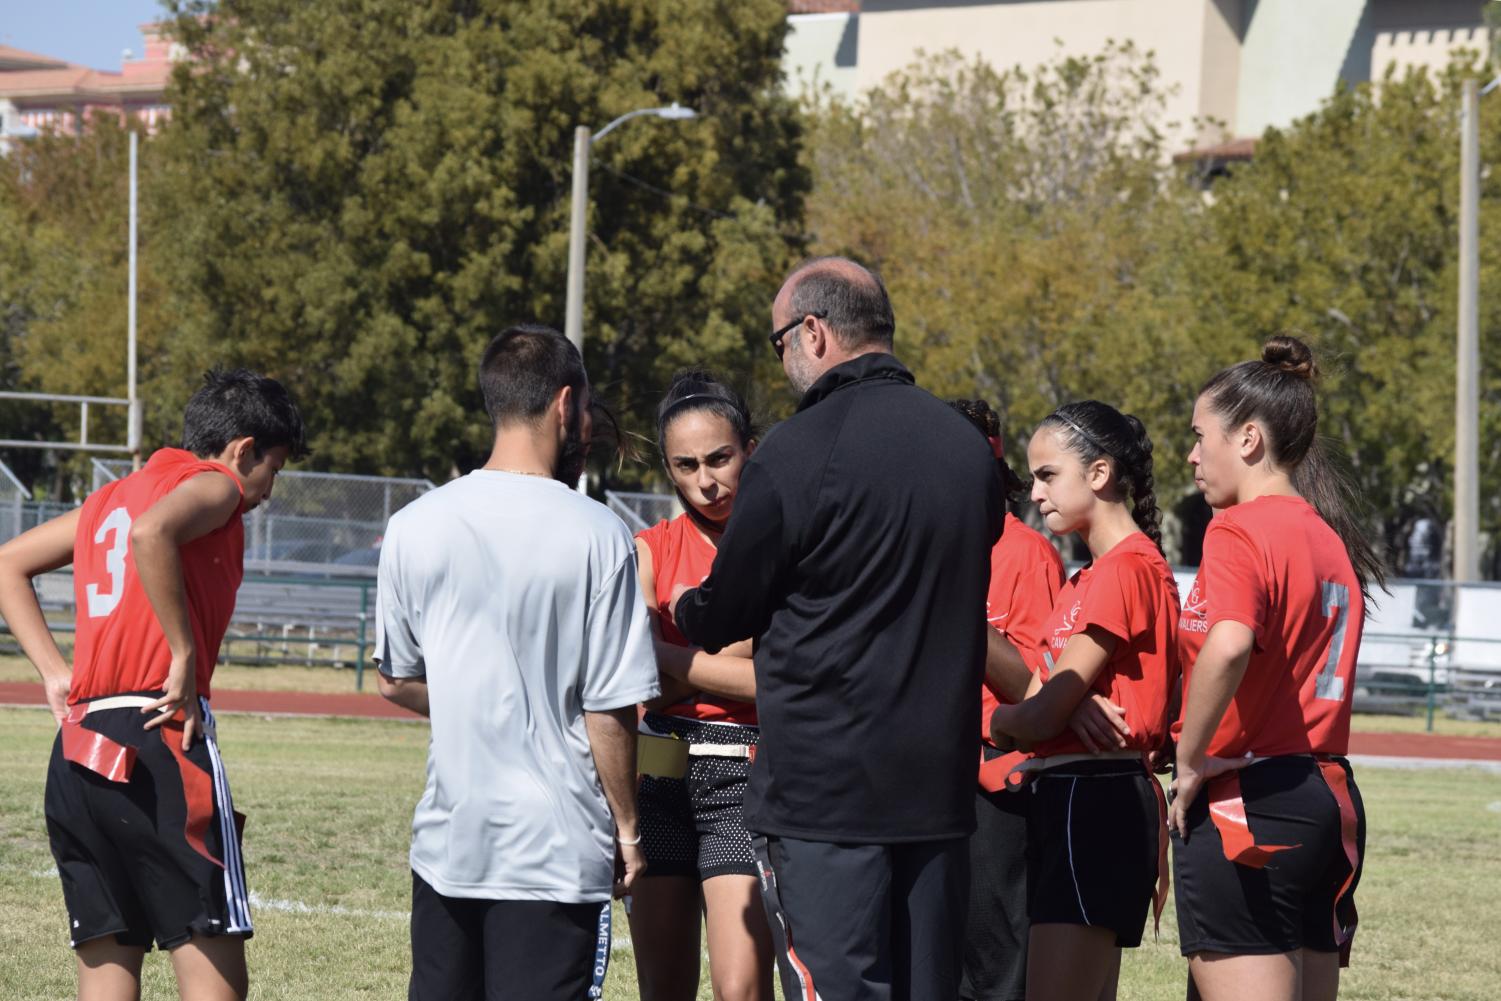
x=681, y=555
x=1130, y=593
x=119, y=645
x=1276, y=567
x=1025, y=575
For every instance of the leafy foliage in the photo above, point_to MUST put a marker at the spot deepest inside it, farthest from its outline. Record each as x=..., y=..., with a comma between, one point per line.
x=1040, y=248
x=363, y=193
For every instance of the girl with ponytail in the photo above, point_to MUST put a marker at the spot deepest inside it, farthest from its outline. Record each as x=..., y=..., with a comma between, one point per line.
x=1095, y=843
x=1270, y=636
x=697, y=740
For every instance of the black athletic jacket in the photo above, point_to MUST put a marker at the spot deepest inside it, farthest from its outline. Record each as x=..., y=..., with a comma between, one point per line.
x=858, y=552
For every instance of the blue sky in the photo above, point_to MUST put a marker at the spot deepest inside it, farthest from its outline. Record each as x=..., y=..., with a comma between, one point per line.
x=89, y=32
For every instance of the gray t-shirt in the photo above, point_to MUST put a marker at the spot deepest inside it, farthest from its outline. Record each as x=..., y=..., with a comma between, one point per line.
x=518, y=599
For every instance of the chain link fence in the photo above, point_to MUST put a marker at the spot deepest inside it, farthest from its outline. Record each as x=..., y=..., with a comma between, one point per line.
x=13, y=499
x=642, y=510
x=314, y=522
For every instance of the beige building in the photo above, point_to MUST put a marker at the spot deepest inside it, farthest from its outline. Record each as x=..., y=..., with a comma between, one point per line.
x=1247, y=64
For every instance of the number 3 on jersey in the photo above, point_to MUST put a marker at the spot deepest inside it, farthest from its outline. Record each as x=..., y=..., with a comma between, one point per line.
x=1336, y=605
x=116, y=528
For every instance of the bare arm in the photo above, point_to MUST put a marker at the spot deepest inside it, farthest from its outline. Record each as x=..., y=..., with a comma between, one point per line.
x=725, y=674
x=1006, y=674
x=1216, y=675
x=409, y=693
x=1046, y=710
x=612, y=741
x=44, y=548
x=192, y=510
x=687, y=670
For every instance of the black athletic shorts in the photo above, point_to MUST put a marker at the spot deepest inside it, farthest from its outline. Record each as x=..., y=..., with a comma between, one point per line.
x=157, y=857
x=1092, y=840
x=856, y=922
x=695, y=826
x=996, y=930
x=466, y=949
x=1289, y=904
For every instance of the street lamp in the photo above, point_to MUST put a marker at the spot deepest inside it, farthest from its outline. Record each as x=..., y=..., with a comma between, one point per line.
x=573, y=322
x=1466, y=566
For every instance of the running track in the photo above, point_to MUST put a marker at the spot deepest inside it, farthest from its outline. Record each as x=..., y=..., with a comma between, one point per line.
x=1398, y=745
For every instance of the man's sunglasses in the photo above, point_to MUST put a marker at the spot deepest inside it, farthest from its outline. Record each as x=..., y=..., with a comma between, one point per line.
x=780, y=332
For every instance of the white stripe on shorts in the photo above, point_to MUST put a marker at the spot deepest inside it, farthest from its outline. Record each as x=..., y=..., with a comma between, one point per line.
x=234, y=865
x=1069, y=830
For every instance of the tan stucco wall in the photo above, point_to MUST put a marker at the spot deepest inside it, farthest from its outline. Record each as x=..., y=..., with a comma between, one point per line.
x=1181, y=33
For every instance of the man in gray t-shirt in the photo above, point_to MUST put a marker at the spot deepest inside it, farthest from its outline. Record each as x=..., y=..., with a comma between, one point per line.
x=508, y=612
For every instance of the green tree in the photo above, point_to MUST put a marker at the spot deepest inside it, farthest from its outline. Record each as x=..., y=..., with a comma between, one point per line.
x=361, y=193
x=1027, y=227
x=64, y=213
x=1344, y=229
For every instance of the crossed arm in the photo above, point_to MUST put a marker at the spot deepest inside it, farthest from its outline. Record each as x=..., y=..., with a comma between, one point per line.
x=730, y=673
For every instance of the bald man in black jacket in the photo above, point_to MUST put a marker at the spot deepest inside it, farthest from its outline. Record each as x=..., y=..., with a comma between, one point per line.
x=858, y=553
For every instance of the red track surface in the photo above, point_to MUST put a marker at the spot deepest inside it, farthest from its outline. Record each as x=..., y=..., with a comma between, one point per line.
x=292, y=703
x=1401, y=745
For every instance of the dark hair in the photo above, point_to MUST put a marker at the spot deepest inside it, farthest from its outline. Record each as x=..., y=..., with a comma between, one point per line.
x=523, y=368
x=241, y=404
x=849, y=297
x=695, y=389
x=988, y=422
x=1092, y=430
x=1277, y=393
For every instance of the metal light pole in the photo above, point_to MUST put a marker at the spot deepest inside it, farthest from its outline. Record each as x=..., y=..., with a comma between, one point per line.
x=133, y=407
x=573, y=321
x=1467, y=357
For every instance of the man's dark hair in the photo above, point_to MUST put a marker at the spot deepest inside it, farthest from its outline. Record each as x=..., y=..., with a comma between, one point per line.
x=851, y=299
x=523, y=368
x=240, y=404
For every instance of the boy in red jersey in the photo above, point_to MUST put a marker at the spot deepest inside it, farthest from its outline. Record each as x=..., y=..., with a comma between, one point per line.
x=138, y=810
x=1272, y=629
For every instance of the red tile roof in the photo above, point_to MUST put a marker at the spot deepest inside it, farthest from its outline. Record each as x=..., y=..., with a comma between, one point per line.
x=1235, y=149
x=30, y=79
x=823, y=6
x=20, y=59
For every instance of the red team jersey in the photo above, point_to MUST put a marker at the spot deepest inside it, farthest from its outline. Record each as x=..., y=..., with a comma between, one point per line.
x=1129, y=593
x=1273, y=565
x=681, y=555
x=119, y=645
x=1025, y=575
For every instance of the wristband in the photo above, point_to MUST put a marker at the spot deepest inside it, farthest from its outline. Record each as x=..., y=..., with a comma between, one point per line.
x=628, y=843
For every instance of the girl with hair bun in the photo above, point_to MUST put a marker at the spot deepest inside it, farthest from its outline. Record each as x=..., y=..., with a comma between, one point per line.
x=699, y=739
x=1095, y=843
x=1270, y=636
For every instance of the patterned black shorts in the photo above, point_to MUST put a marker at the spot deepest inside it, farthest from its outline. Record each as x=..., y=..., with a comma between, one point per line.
x=695, y=826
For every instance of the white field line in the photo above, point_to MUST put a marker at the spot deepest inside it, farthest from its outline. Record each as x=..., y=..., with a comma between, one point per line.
x=299, y=907
x=620, y=941
x=1421, y=764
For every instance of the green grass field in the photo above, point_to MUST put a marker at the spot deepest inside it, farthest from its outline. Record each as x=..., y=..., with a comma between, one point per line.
x=329, y=803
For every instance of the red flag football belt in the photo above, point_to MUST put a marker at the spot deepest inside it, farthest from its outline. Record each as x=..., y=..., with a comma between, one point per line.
x=115, y=761
x=1010, y=772
x=1227, y=808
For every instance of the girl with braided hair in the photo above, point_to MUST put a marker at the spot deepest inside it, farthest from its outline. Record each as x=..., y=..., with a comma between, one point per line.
x=1095, y=839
